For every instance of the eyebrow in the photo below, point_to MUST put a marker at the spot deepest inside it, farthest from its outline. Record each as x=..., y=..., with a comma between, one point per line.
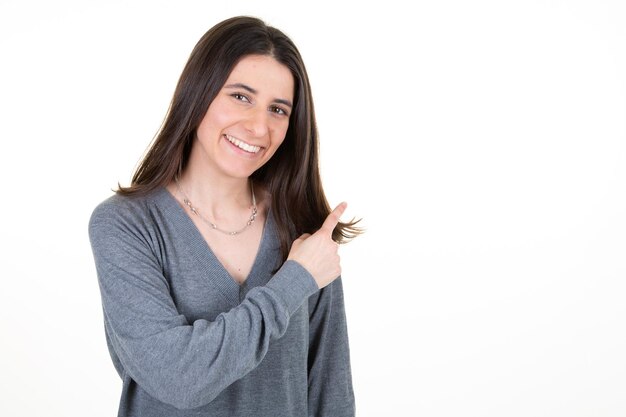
x=253, y=91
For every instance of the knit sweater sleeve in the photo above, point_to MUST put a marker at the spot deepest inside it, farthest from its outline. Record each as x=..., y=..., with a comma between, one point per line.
x=329, y=373
x=177, y=362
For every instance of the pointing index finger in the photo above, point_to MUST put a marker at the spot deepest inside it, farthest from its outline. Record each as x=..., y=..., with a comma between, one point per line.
x=333, y=218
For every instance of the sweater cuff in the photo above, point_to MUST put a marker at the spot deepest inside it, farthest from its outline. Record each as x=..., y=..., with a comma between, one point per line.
x=293, y=284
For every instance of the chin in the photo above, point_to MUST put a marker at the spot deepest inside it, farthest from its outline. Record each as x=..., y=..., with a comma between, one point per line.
x=240, y=173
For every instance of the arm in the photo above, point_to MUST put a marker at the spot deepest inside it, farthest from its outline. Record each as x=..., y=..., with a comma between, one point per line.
x=183, y=364
x=330, y=379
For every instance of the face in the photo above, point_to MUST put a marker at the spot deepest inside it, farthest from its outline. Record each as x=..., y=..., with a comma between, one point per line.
x=248, y=119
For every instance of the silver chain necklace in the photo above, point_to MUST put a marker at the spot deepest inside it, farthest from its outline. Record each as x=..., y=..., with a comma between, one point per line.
x=210, y=223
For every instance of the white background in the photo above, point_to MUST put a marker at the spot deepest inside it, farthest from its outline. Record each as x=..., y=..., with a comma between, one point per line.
x=483, y=143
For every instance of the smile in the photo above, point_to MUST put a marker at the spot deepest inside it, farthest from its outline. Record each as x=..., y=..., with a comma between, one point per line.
x=242, y=145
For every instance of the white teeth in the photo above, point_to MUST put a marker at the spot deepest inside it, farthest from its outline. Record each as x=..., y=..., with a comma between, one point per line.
x=243, y=145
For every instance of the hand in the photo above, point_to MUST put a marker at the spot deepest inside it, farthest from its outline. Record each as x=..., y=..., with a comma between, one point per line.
x=318, y=253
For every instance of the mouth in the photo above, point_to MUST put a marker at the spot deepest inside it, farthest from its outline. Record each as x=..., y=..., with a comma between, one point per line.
x=252, y=149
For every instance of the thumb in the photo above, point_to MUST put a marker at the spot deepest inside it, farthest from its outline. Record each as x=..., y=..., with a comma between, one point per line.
x=333, y=218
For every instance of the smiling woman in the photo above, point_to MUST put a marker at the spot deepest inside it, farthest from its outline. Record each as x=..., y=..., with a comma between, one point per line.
x=247, y=121
x=218, y=266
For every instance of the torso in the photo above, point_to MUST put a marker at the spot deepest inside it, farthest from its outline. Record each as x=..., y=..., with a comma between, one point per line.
x=195, y=294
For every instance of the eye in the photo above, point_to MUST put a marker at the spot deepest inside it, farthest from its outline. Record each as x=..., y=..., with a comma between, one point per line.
x=278, y=110
x=240, y=97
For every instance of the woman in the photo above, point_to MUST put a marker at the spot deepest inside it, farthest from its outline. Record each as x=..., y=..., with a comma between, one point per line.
x=218, y=265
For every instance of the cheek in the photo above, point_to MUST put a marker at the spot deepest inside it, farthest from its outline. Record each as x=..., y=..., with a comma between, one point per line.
x=279, y=134
x=216, y=117
x=278, y=137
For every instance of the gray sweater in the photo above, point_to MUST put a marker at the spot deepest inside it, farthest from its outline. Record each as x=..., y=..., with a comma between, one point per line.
x=187, y=340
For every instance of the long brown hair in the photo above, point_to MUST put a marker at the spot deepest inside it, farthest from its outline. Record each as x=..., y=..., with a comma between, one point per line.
x=291, y=176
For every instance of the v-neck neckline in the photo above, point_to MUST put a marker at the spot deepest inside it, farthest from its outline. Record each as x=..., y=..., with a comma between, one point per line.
x=205, y=255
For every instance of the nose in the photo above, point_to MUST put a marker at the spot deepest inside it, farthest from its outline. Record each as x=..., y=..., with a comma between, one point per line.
x=257, y=123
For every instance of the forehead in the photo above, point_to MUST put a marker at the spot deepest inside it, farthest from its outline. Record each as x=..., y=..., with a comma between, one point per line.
x=264, y=74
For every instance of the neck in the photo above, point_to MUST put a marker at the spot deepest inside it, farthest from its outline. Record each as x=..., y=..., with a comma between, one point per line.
x=222, y=199
x=195, y=211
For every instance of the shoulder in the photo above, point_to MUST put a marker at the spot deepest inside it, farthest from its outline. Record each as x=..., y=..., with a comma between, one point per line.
x=116, y=206
x=118, y=213
x=124, y=236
